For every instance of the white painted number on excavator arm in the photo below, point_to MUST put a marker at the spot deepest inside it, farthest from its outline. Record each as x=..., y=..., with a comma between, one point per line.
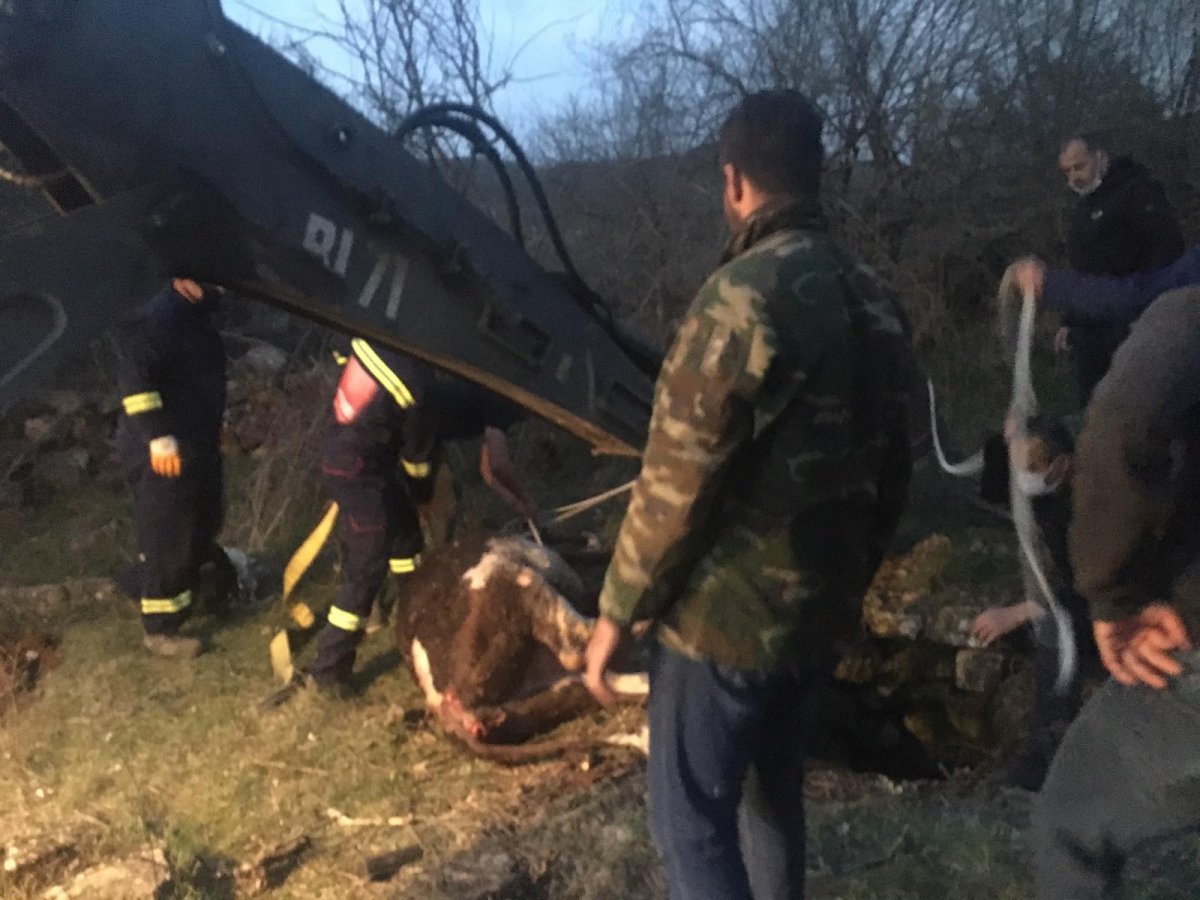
x=331, y=244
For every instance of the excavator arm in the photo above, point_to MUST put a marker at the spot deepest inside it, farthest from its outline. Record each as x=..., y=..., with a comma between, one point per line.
x=168, y=140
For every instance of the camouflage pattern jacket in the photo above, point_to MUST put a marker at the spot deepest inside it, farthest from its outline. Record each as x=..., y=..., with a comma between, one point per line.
x=777, y=462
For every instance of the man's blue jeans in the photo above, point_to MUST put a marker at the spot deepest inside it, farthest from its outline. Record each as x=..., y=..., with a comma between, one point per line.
x=1128, y=771
x=708, y=726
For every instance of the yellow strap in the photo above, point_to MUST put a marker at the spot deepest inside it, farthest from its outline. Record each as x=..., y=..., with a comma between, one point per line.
x=383, y=374
x=136, y=404
x=302, y=615
x=402, y=566
x=165, y=606
x=281, y=657
x=346, y=621
x=417, y=470
x=307, y=552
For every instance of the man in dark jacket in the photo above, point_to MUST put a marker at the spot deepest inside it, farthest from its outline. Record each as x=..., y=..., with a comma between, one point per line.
x=775, y=471
x=1128, y=770
x=172, y=378
x=1122, y=224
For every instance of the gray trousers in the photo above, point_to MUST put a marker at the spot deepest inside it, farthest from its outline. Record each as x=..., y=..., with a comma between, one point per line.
x=1127, y=772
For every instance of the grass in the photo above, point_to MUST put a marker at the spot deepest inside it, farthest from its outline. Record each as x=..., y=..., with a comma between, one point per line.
x=85, y=533
x=117, y=751
x=125, y=750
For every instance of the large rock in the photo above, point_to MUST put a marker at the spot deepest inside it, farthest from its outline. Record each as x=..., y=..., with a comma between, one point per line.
x=489, y=872
x=978, y=671
x=860, y=665
x=62, y=471
x=64, y=403
x=264, y=359
x=49, y=601
x=40, y=429
x=896, y=605
x=951, y=624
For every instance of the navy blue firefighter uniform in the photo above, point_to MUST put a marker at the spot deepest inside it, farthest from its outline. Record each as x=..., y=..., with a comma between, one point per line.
x=384, y=423
x=172, y=379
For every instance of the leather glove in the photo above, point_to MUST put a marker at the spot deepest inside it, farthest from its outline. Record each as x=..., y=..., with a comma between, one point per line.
x=164, y=457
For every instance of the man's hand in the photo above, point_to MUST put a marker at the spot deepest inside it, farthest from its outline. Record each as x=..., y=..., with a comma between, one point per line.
x=1013, y=424
x=1137, y=649
x=604, y=643
x=1062, y=341
x=1029, y=275
x=164, y=457
x=992, y=624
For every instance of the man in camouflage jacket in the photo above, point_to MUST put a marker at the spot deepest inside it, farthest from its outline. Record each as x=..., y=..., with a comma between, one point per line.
x=774, y=475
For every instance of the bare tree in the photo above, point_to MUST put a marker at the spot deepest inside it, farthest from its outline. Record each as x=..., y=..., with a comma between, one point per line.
x=414, y=52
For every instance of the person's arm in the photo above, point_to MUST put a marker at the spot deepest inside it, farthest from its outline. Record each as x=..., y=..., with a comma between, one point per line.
x=140, y=368
x=1114, y=512
x=1122, y=481
x=1098, y=299
x=992, y=624
x=702, y=414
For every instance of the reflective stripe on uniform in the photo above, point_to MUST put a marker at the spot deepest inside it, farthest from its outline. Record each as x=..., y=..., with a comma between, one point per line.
x=165, y=606
x=382, y=372
x=346, y=621
x=417, y=470
x=135, y=404
x=402, y=566
x=340, y=358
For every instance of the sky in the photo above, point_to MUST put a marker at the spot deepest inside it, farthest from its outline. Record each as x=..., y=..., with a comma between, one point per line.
x=545, y=40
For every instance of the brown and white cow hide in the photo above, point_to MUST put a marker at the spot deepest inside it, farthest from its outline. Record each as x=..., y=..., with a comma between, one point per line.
x=495, y=642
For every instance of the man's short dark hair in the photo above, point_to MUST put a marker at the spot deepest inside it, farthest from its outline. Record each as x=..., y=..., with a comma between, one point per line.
x=774, y=138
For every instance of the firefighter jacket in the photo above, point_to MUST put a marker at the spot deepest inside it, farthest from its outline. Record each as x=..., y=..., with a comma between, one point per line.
x=172, y=373
x=383, y=413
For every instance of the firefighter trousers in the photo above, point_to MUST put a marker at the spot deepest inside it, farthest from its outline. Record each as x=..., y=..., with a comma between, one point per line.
x=176, y=522
x=381, y=533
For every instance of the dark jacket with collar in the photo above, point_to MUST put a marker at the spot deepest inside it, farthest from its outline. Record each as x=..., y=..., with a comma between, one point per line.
x=1124, y=226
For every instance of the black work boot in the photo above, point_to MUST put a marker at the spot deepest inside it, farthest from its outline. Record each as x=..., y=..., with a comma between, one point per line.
x=304, y=682
x=172, y=646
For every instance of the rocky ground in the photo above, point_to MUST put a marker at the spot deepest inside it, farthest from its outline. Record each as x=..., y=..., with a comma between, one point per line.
x=133, y=776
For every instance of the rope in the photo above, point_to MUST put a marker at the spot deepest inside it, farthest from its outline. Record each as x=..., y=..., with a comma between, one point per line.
x=537, y=535
x=571, y=510
x=969, y=467
x=1024, y=406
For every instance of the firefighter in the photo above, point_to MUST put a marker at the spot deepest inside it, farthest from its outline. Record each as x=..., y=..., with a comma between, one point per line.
x=172, y=379
x=378, y=460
